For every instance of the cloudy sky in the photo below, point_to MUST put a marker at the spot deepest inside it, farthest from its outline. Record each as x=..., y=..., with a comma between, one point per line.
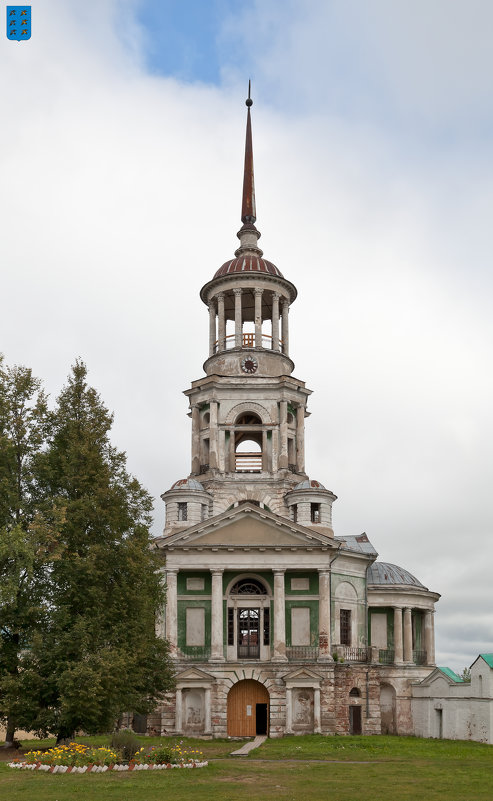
x=121, y=152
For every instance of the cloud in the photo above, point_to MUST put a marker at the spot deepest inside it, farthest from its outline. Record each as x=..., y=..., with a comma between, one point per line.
x=122, y=197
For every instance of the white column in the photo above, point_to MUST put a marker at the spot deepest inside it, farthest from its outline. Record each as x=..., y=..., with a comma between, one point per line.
x=279, y=618
x=300, y=437
x=195, y=439
x=258, y=317
x=221, y=455
x=285, y=326
x=208, y=714
x=171, y=611
x=232, y=459
x=221, y=325
x=408, y=636
x=275, y=321
x=317, y=721
x=432, y=661
x=428, y=638
x=178, y=711
x=238, y=320
x=283, y=430
x=289, y=710
x=398, y=635
x=212, y=327
x=275, y=449
x=217, y=651
x=265, y=455
x=213, y=434
x=324, y=614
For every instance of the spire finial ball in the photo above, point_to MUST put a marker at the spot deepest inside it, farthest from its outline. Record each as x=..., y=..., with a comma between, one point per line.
x=249, y=102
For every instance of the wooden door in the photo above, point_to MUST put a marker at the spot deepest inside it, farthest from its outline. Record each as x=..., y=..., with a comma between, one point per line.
x=354, y=720
x=243, y=698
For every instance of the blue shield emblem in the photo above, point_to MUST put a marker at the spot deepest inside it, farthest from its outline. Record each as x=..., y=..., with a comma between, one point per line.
x=19, y=22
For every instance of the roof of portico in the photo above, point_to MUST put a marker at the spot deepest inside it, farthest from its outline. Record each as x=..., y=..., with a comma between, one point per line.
x=265, y=531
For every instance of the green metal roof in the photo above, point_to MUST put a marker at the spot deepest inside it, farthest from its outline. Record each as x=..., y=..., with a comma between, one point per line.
x=451, y=675
x=488, y=658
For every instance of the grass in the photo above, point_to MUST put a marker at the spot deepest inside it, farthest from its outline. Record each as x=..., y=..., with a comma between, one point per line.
x=373, y=768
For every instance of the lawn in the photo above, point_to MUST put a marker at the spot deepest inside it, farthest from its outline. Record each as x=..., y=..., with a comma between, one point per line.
x=373, y=768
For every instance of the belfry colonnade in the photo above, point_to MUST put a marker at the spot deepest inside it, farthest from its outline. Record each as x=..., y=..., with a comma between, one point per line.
x=278, y=340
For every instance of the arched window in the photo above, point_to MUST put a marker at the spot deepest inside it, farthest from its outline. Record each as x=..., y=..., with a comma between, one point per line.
x=248, y=419
x=355, y=693
x=248, y=586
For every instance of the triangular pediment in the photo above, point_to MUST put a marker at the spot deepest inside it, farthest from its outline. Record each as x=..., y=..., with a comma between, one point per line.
x=302, y=674
x=247, y=526
x=193, y=674
x=444, y=676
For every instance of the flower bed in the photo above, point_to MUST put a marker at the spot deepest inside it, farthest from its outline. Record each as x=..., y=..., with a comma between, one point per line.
x=101, y=768
x=78, y=758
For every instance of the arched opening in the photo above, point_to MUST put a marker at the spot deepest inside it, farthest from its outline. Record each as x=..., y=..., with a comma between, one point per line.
x=387, y=709
x=248, y=709
x=355, y=693
x=248, y=452
x=248, y=619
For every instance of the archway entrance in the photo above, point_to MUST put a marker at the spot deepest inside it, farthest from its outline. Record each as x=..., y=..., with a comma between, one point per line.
x=248, y=709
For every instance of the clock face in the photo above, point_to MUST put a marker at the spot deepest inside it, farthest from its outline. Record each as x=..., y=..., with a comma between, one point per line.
x=249, y=364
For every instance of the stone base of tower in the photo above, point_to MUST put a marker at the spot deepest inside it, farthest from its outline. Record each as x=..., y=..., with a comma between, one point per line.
x=242, y=699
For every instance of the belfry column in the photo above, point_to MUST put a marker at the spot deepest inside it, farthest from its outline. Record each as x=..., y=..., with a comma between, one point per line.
x=279, y=654
x=398, y=635
x=213, y=435
x=324, y=613
x=408, y=636
x=275, y=321
x=258, y=317
x=171, y=611
x=195, y=439
x=285, y=327
x=283, y=430
x=217, y=651
x=300, y=438
x=212, y=326
x=265, y=454
x=231, y=452
x=238, y=321
x=221, y=335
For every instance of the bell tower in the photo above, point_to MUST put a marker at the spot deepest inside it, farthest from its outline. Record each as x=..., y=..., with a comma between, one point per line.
x=248, y=412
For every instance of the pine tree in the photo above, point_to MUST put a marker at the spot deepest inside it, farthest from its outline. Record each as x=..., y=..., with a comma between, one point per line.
x=27, y=541
x=99, y=655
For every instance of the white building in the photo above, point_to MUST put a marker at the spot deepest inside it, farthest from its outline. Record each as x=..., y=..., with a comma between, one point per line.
x=276, y=624
x=444, y=705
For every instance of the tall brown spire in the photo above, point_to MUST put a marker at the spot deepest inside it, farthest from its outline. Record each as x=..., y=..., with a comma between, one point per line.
x=248, y=212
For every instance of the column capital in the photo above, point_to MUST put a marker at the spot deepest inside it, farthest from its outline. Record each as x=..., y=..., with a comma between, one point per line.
x=219, y=296
x=211, y=302
x=323, y=571
x=276, y=295
x=258, y=290
x=237, y=291
x=279, y=571
x=172, y=571
x=216, y=571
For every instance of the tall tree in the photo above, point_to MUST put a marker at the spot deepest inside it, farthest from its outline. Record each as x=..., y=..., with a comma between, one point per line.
x=26, y=539
x=99, y=655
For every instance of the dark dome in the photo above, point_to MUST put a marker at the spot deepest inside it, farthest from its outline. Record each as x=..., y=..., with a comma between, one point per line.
x=385, y=573
x=248, y=264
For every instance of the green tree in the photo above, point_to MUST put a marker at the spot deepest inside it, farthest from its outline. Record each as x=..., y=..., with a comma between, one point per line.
x=466, y=674
x=99, y=655
x=26, y=538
